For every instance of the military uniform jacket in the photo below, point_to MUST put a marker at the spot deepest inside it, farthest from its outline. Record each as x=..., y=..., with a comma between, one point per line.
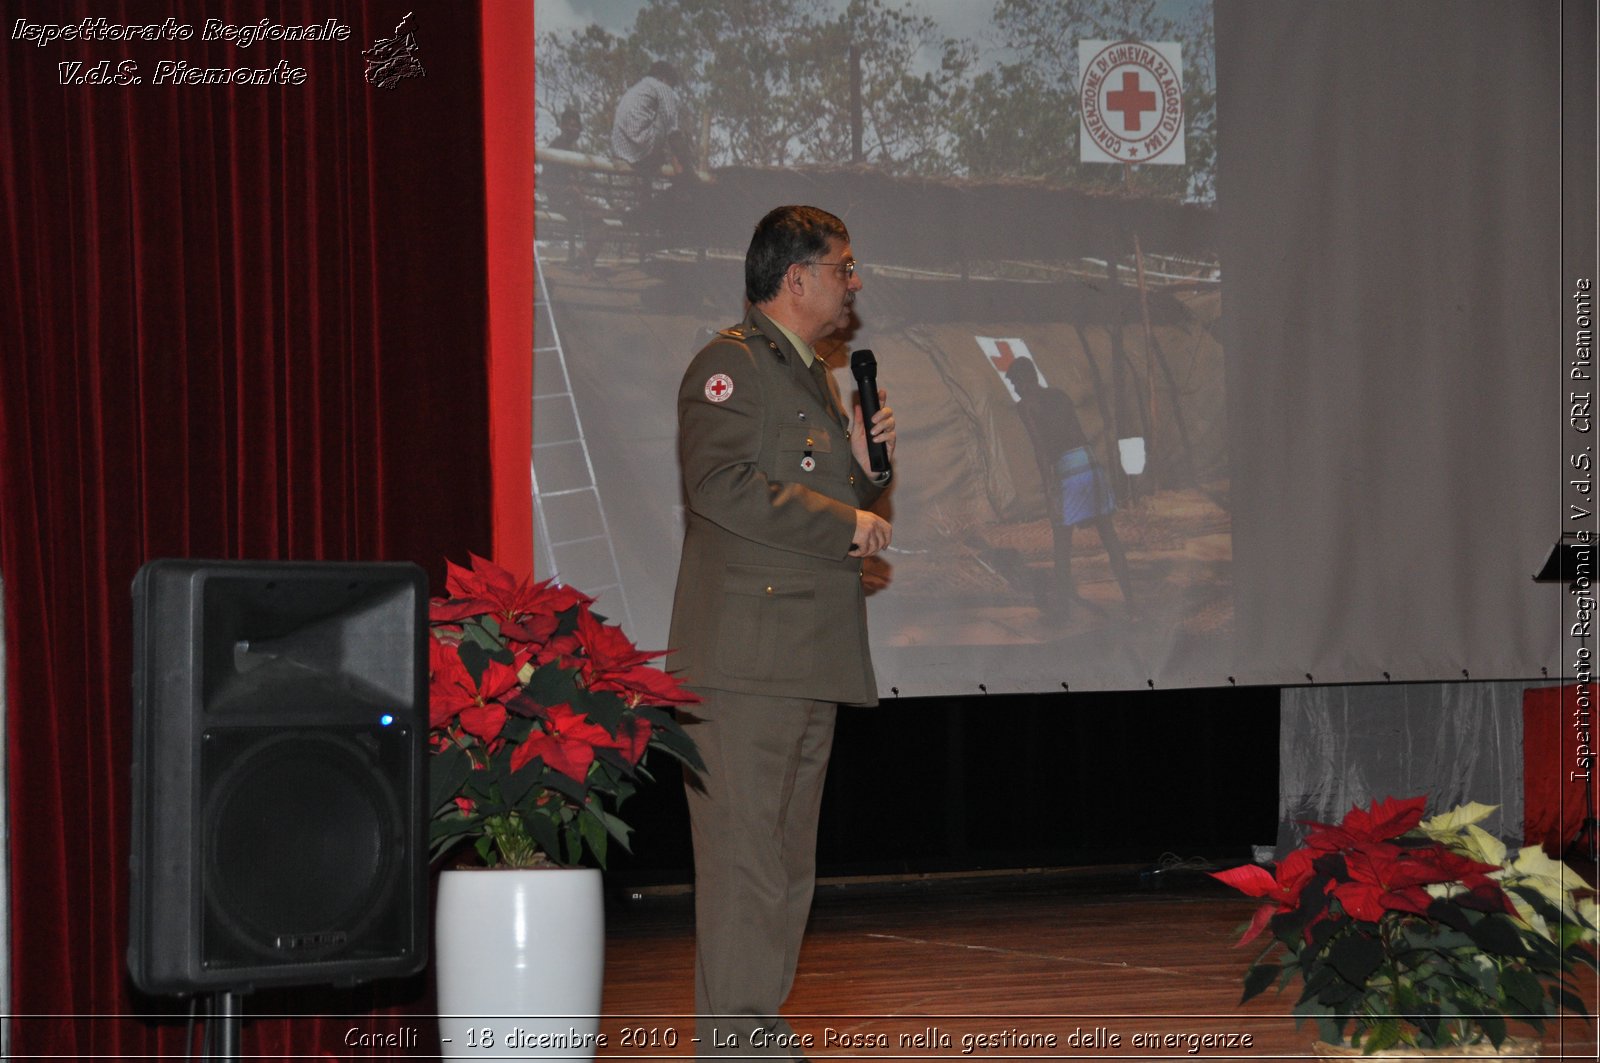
x=768, y=600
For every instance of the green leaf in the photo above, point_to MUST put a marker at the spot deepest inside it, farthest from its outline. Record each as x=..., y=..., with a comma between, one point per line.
x=480, y=786
x=1427, y=1018
x=1440, y=941
x=512, y=840
x=446, y=834
x=1538, y=902
x=603, y=707
x=1448, y=912
x=552, y=685
x=484, y=634
x=1355, y=957
x=668, y=735
x=1316, y=978
x=474, y=658
x=543, y=833
x=609, y=771
x=1290, y=926
x=660, y=718
x=614, y=827
x=519, y=784
x=1569, y=1000
x=564, y=786
x=1310, y=1009
x=1328, y=988
x=1497, y=934
x=573, y=838
x=1523, y=990
x=1288, y=976
x=1258, y=978
x=448, y=770
x=1385, y=1033
x=1330, y=1028
x=516, y=731
x=1571, y=934
x=446, y=828
x=1493, y=1025
x=593, y=831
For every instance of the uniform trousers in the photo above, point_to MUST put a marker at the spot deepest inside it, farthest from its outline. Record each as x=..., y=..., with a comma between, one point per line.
x=753, y=818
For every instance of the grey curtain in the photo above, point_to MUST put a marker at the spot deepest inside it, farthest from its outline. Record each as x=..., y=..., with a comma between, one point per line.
x=1350, y=745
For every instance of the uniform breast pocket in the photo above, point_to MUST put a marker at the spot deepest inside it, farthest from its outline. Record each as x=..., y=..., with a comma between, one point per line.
x=804, y=448
x=766, y=624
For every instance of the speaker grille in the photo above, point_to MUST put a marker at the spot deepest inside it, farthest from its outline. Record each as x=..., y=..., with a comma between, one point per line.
x=301, y=833
x=279, y=832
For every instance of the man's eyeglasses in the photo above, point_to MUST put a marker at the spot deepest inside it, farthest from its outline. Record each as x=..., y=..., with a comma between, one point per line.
x=848, y=266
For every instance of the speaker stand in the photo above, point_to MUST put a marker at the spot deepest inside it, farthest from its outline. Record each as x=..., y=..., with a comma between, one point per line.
x=226, y=1013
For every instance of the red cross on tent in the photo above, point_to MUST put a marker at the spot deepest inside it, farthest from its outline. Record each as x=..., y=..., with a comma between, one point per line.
x=1004, y=356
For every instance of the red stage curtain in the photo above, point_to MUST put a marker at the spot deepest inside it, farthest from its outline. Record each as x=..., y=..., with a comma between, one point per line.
x=508, y=122
x=235, y=322
x=1557, y=749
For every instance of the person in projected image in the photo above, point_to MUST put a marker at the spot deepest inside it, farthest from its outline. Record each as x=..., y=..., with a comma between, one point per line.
x=769, y=620
x=649, y=129
x=1077, y=489
x=567, y=197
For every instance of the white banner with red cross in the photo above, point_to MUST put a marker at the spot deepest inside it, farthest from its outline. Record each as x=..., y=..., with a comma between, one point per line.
x=1002, y=353
x=1130, y=100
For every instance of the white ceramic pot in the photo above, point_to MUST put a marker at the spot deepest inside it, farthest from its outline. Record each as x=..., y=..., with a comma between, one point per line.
x=520, y=959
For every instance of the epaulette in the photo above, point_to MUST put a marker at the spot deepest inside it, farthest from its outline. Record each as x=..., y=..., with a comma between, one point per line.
x=737, y=332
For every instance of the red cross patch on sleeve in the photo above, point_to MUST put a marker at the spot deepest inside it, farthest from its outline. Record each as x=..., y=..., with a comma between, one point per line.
x=719, y=388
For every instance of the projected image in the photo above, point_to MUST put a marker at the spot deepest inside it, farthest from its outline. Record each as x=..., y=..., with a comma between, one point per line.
x=1032, y=197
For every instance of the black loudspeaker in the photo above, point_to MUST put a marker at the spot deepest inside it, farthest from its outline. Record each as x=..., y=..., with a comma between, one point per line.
x=279, y=781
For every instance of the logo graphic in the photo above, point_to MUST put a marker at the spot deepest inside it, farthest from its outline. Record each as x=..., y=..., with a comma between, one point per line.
x=719, y=388
x=1131, y=102
x=391, y=60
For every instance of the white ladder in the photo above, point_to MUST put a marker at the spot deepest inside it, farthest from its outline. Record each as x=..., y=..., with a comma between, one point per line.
x=574, y=538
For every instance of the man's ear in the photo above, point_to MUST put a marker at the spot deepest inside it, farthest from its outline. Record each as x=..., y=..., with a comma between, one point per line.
x=794, y=280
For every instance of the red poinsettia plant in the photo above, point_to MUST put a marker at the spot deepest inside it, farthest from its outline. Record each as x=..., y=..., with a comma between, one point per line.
x=1418, y=932
x=541, y=717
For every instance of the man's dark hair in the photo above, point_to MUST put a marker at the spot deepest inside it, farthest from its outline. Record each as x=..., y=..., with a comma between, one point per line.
x=785, y=236
x=1023, y=375
x=662, y=70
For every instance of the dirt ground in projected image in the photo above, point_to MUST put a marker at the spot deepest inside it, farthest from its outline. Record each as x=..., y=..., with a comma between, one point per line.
x=990, y=585
x=972, y=558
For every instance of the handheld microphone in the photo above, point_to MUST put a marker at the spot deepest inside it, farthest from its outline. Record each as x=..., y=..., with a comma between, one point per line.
x=865, y=368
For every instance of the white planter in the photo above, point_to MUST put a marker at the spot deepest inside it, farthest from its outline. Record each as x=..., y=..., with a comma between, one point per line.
x=520, y=959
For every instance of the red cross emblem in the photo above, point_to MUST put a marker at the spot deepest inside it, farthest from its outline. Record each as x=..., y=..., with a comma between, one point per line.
x=1003, y=357
x=1132, y=102
x=719, y=388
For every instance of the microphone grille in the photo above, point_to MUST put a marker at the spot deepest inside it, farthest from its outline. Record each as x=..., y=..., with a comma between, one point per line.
x=862, y=360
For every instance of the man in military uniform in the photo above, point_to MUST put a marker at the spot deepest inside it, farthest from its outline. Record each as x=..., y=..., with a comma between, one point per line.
x=769, y=619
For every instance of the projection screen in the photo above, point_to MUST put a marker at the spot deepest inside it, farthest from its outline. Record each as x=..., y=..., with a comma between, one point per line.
x=1294, y=267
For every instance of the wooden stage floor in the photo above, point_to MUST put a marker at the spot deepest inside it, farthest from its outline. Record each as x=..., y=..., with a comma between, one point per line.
x=1049, y=965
